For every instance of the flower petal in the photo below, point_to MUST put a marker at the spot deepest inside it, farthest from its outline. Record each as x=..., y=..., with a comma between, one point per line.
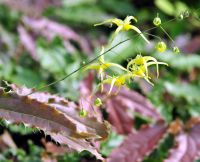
x=138, y=31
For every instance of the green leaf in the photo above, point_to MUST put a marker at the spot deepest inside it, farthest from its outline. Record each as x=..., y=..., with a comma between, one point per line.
x=183, y=90
x=113, y=141
x=180, y=61
x=180, y=7
x=69, y=3
x=127, y=49
x=119, y=7
x=92, y=14
x=166, y=6
x=52, y=56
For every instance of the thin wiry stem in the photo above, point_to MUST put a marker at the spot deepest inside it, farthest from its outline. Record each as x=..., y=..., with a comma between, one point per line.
x=167, y=34
x=89, y=62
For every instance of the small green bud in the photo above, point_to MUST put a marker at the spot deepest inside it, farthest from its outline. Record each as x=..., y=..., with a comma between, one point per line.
x=186, y=14
x=181, y=17
x=97, y=102
x=161, y=46
x=157, y=21
x=176, y=49
x=83, y=113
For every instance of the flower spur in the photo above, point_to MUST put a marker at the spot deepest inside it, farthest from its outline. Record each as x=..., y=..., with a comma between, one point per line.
x=139, y=66
x=117, y=81
x=123, y=26
x=102, y=65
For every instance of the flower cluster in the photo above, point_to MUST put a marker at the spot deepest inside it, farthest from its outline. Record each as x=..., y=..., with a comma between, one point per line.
x=161, y=46
x=137, y=67
x=124, y=26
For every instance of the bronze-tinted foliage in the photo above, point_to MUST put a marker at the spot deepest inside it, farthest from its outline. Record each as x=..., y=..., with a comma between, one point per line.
x=138, y=144
x=49, y=29
x=187, y=146
x=119, y=107
x=54, y=115
x=29, y=7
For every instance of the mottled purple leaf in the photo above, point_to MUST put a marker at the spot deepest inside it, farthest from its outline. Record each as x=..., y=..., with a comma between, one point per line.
x=122, y=106
x=49, y=29
x=52, y=114
x=138, y=144
x=77, y=144
x=30, y=7
x=27, y=41
x=86, y=100
x=119, y=117
x=138, y=103
x=187, y=146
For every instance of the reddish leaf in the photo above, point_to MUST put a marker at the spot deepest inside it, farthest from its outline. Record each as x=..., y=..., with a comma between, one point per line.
x=30, y=7
x=138, y=144
x=194, y=133
x=138, y=103
x=118, y=116
x=6, y=141
x=119, y=107
x=53, y=114
x=86, y=100
x=193, y=45
x=27, y=41
x=48, y=158
x=49, y=29
x=78, y=144
x=54, y=149
x=187, y=148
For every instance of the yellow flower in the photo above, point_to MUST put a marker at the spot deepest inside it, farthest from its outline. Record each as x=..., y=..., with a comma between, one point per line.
x=124, y=25
x=101, y=65
x=139, y=66
x=161, y=46
x=117, y=81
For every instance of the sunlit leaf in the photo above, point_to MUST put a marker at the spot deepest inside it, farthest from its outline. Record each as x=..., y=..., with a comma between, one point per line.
x=165, y=6
x=182, y=90
x=181, y=61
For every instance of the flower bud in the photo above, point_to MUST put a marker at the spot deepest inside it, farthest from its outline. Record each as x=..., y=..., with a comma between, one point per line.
x=176, y=49
x=97, y=102
x=181, y=17
x=83, y=113
x=157, y=21
x=161, y=46
x=186, y=14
